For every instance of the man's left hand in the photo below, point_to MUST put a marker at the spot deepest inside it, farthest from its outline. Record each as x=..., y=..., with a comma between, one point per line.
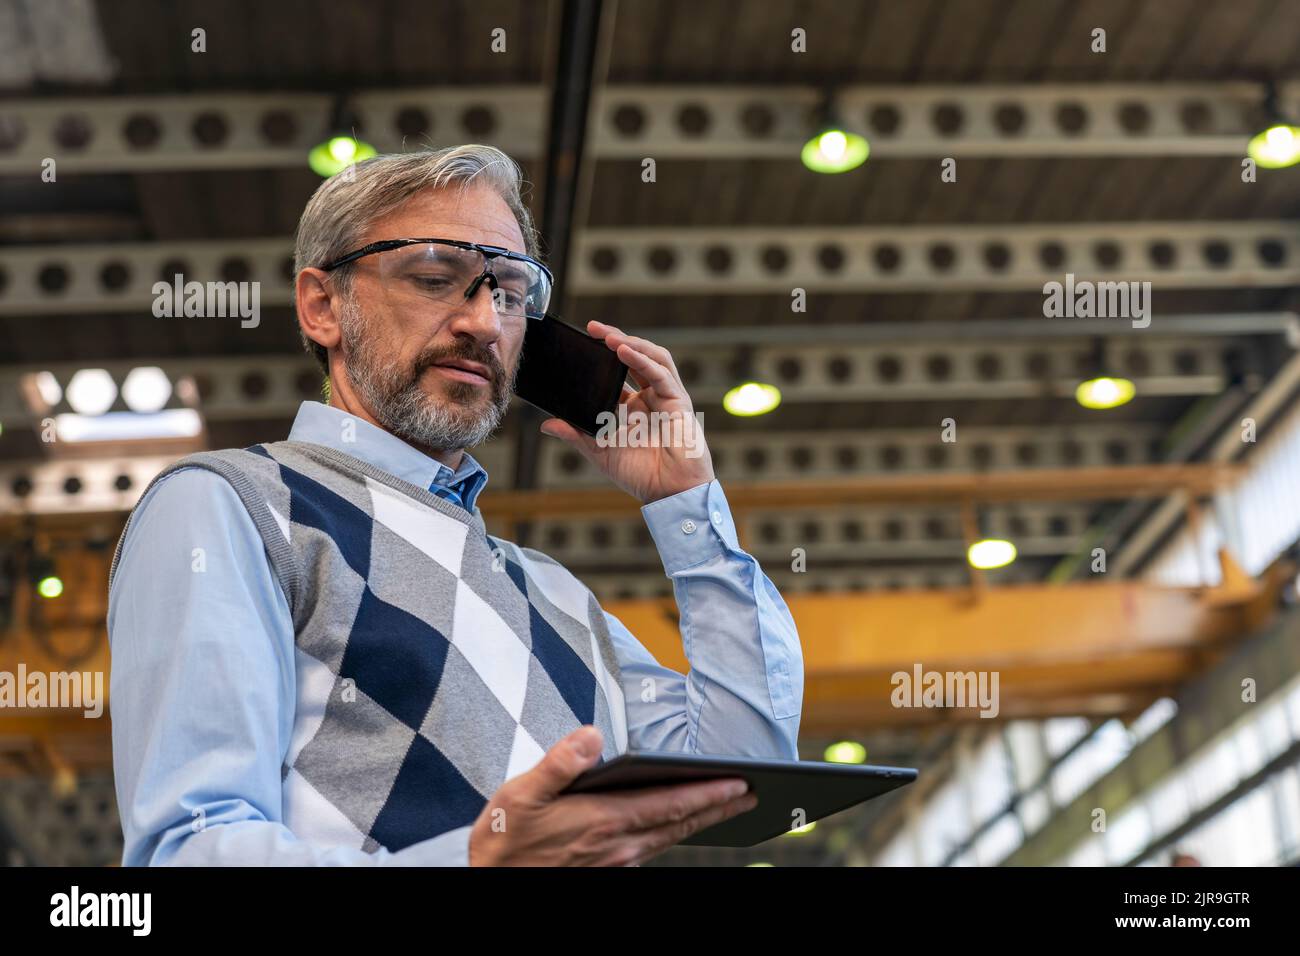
x=648, y=472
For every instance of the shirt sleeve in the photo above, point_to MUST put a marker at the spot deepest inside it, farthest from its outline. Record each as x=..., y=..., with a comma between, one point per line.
x=202, y=691
x=744, y=691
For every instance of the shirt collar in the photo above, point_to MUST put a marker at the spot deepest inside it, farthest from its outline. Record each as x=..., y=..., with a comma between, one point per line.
x=326, y=425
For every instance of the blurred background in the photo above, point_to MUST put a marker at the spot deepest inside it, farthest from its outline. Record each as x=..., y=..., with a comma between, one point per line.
x=939, y=478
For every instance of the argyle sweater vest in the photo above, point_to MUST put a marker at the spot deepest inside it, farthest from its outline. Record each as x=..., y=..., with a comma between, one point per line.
x=433, y=660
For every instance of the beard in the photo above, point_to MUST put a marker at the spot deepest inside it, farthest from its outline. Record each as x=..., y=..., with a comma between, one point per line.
x=461, y=417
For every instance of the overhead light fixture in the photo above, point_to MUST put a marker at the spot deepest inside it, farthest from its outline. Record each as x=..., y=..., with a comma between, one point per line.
x=1105, y=391
x=1277, y=145
x=146, y=389
x=41, y=572
x=751, y=398
x=990, y=553
x=987, y=550
x=846, y=751
x=50, y=586
x=48, y=387
x=833, y=147
x=1102, y=388
x=91, y=391
x=129, y=426
x=341, y=148
x=84, y=411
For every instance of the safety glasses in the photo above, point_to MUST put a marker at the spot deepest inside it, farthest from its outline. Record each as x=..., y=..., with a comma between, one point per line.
x=449, y=271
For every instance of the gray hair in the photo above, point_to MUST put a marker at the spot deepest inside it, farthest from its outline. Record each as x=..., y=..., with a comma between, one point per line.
x=344, y=206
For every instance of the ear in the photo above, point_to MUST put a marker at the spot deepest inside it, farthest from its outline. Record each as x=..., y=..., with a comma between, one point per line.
x=315, y=306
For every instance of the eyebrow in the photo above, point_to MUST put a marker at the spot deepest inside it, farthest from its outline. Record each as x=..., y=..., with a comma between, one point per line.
x=504, y=270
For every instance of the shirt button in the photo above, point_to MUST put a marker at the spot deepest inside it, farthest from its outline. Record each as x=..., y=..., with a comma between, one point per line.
x=688, y=526
x=717, y=517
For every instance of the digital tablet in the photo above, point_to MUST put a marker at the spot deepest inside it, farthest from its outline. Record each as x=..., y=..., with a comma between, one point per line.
x=790, y=793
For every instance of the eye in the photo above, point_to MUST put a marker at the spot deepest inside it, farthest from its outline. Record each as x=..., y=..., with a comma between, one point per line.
x=431, y=282
x=509, y=298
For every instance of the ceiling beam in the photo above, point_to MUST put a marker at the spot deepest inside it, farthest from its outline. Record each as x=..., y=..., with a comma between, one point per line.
x=259, y=387
x=1046, y=484
x=113, y=484
x=266, y=130
x=120, y=277
x=579, y=37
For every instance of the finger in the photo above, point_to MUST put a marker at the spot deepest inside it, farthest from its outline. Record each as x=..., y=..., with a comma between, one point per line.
x=650, y=843
x=666, y=384
x=562, y=764
x=653, y=806
x=656, y=352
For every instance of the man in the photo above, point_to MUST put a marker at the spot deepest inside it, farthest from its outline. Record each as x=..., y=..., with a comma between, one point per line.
x=319, y=654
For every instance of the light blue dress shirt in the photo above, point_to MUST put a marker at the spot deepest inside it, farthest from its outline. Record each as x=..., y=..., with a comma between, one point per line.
x=202, y=687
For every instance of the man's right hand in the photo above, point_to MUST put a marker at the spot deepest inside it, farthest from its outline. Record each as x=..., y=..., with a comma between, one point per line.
x=536, y=826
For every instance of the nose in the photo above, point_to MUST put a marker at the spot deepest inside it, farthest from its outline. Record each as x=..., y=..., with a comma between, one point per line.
x=476, y=315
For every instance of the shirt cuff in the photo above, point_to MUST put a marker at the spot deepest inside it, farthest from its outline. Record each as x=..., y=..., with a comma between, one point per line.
x=446, y=849
x=691, y=527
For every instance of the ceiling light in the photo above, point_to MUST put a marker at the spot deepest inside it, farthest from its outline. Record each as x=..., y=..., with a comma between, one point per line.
x=846, y=751
x=91, y=391
x=338, y=153
x=129, y=426
x=835, y=150
x=146, y=389
x=1105, y=391
x=48, y=387
x=751, y=398
x=991, y=553
x=1101, y=387
x=341, y=148
x=1277, y=145
x=49, y=587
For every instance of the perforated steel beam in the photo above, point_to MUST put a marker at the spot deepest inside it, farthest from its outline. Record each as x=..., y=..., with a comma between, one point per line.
x=77, y=484
x=750, y=260
x=272, y=386
x=734, y=261
x=790, y=456
x=1026, y=120
x=205, y=131
x=255, y=130
x=88, y=484
x=827, y=538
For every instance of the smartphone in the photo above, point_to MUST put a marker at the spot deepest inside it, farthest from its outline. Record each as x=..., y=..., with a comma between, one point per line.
x=568, y=374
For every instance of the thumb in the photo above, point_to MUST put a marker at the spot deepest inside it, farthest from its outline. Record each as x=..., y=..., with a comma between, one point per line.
x=564, y=762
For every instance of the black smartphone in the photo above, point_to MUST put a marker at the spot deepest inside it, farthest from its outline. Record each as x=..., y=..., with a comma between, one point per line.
x=568, y=374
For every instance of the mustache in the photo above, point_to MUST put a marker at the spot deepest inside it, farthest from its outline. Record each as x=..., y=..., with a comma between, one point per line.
x=468, y=354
